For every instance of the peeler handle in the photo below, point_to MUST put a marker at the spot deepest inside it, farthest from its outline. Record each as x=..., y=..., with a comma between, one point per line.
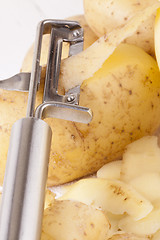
x=25, y=180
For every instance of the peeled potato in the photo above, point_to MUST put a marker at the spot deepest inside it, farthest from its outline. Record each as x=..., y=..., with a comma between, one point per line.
x=116, y=13
x=68, y=220
x=109, y=195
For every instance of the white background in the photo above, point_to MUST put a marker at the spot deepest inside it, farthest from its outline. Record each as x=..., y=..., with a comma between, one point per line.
x=18, y=21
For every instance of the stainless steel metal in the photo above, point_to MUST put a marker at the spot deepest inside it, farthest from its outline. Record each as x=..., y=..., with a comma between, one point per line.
x=66, y=107
x=63, y=111
x=60, y=31
x=75, y=93
x=25, y=180
x=19, y=82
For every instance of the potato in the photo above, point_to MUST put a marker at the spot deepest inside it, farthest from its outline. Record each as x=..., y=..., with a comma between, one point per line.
x=49, y=198
x=140, y=157
x=146, y=226
x=125, y=87
x=117, y=99
x=89, y=38
x=68, y=220
x=157, y=37
x=109, y=195
x=116, y=13
x=156, y=236
x=110, y=170
x=44, y=236
x=86, y=63
x=114, y=220
x=126, y=236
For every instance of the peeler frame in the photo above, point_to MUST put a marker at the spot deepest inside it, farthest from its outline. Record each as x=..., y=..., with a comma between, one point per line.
x=28, y=156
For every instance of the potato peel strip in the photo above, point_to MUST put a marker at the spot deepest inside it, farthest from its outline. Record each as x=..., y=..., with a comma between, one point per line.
x=76, y=69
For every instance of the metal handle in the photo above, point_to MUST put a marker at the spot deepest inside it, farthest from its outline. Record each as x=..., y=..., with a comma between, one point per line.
x=25, y=180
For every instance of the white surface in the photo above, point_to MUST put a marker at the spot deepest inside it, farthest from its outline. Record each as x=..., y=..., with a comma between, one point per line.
x=18, y=21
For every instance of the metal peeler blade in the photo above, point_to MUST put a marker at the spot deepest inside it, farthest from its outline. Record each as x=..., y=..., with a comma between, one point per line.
x=28, y=155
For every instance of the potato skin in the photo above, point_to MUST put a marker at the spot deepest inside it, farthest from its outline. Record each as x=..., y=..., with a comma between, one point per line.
x=124, y=96
x=104, y=15
x=67, y=220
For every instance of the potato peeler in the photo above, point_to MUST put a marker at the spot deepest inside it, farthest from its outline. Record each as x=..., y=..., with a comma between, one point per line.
x=30, y=142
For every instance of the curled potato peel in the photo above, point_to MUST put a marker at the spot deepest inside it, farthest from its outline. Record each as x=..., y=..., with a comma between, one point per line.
x=109, y=195
x=115, y=14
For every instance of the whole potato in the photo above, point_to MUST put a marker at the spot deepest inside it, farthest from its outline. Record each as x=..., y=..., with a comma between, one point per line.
x=124, y=98
x=104, y=15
